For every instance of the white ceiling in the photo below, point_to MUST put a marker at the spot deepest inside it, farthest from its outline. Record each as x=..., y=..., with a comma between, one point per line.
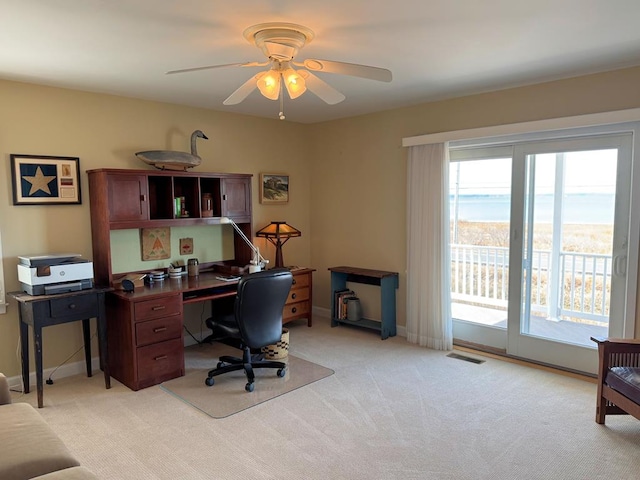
x=435, y=48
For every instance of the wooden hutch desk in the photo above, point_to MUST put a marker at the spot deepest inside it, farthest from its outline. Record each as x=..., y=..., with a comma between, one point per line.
x=145, y=327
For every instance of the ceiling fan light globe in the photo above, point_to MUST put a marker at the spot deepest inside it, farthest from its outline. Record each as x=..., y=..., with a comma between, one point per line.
x=269, y=85
x=294, y=83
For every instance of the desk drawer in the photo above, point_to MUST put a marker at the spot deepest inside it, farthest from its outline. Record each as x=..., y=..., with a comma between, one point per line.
x=160, y=361
x=158, y=308
x=294, y=310
x=301, y=281
x=81, y=306
x=298, y=295
x=159, y=330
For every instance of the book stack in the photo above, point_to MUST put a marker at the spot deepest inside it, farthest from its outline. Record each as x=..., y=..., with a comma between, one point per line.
x=340, y=302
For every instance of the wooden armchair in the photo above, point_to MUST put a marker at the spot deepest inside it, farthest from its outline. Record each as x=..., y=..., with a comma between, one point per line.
x=618, y=378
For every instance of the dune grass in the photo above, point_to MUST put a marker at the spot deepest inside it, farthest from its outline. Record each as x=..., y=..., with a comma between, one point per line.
x=581, y=238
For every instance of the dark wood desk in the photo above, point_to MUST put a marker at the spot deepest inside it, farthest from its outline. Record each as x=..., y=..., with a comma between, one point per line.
x=145, y=339
x=145, y=331
x=44, y=310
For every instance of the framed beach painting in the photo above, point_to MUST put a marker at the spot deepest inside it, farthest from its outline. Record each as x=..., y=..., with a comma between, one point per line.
x=45, y=180
x=274, y=188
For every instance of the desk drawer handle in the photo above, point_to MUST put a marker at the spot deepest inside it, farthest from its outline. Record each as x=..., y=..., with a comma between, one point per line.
x=294, y=310
x=294, y=281
x=159, y=329
x=293, y=296
x=161, y=357
x=158, y=307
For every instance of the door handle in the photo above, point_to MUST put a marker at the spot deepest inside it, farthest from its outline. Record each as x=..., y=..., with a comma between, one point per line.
x=620, y=265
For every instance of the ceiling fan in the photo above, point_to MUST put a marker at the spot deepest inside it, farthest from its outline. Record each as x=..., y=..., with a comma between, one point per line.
x=280, y=43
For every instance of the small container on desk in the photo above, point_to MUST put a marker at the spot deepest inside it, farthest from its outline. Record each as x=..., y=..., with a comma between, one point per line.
x=193, y=269
x=388, y=283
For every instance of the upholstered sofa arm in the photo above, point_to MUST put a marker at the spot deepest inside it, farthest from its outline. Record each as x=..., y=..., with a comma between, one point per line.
x=5, y=396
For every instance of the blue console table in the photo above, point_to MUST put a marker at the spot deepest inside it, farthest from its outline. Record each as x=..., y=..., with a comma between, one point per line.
x=388, y=283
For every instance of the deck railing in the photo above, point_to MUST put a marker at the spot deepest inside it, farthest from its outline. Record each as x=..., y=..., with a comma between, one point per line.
x=580, y=292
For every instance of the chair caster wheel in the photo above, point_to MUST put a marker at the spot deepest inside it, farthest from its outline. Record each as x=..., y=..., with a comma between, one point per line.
x=282, y=372
x=249, y=387
x=209, y=381
x=219, y=364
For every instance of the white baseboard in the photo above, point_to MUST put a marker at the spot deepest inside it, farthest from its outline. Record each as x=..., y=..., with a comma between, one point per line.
x=67, y=370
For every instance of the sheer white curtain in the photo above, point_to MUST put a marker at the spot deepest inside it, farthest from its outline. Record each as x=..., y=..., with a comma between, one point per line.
x=428, y=266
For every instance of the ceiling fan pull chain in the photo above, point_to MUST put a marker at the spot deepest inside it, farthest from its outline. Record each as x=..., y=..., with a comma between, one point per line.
x=281, y=114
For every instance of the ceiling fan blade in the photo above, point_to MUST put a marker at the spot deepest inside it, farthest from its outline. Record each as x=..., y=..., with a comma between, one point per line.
x=209, y=67
x=244, y=90
x=320, y=88
x=364, y=71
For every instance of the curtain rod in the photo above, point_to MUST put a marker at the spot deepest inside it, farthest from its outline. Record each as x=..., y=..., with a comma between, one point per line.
x=592, y=119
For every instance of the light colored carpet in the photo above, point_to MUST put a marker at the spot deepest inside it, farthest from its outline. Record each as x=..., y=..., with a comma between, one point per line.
x=392, y=410
x=228, y=396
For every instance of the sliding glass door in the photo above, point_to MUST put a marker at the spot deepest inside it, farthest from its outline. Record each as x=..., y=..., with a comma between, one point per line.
x=539, y=246
x=480, y=206
x=571, y=205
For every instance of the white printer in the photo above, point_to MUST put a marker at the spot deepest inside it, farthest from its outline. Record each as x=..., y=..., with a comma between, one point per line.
x=55, y=273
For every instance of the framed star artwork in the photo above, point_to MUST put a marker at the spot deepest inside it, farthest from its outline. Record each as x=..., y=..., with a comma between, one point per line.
x=45, y=180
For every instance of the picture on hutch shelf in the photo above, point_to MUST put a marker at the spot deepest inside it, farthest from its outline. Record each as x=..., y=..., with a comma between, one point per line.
x=156, y=243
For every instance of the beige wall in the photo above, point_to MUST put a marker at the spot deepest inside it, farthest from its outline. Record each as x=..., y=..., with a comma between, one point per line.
x=106, y=131
x=348, y=177
x=358, y=203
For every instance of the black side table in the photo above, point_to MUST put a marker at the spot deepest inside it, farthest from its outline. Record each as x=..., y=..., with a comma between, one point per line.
x=44, y=310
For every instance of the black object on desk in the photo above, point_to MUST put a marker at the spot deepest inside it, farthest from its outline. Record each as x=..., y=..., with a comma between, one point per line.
x=44, y=310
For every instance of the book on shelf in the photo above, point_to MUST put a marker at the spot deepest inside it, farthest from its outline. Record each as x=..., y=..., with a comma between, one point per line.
x=340, y=302
x=337, y=297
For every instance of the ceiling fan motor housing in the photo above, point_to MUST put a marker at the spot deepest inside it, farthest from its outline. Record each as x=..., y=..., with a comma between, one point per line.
x=279, y=41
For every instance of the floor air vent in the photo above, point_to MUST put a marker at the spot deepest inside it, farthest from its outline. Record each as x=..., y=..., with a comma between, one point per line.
x=465, y=358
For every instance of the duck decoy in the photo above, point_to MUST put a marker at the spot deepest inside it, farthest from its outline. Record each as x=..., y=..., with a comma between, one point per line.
x=174, y=160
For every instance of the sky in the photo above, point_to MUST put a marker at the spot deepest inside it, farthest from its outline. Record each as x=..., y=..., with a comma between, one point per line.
x=585, y=172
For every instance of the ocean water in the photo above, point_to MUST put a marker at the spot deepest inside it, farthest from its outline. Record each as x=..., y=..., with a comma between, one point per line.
x=580, y=208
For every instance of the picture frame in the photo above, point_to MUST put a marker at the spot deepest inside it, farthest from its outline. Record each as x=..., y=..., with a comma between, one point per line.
x=45, y=180
x=274, y=188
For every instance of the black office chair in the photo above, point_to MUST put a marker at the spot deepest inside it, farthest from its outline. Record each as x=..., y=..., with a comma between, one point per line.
x=252, y=321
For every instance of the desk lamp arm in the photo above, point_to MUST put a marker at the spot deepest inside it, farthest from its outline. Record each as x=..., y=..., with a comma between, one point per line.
x=257, y=258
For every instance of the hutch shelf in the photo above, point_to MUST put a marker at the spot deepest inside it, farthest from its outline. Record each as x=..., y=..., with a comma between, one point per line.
x=134, y=199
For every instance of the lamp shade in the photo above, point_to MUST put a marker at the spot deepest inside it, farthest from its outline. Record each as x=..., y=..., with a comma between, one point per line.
x=278, y=233
x=269, y=84
x=294, y=83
